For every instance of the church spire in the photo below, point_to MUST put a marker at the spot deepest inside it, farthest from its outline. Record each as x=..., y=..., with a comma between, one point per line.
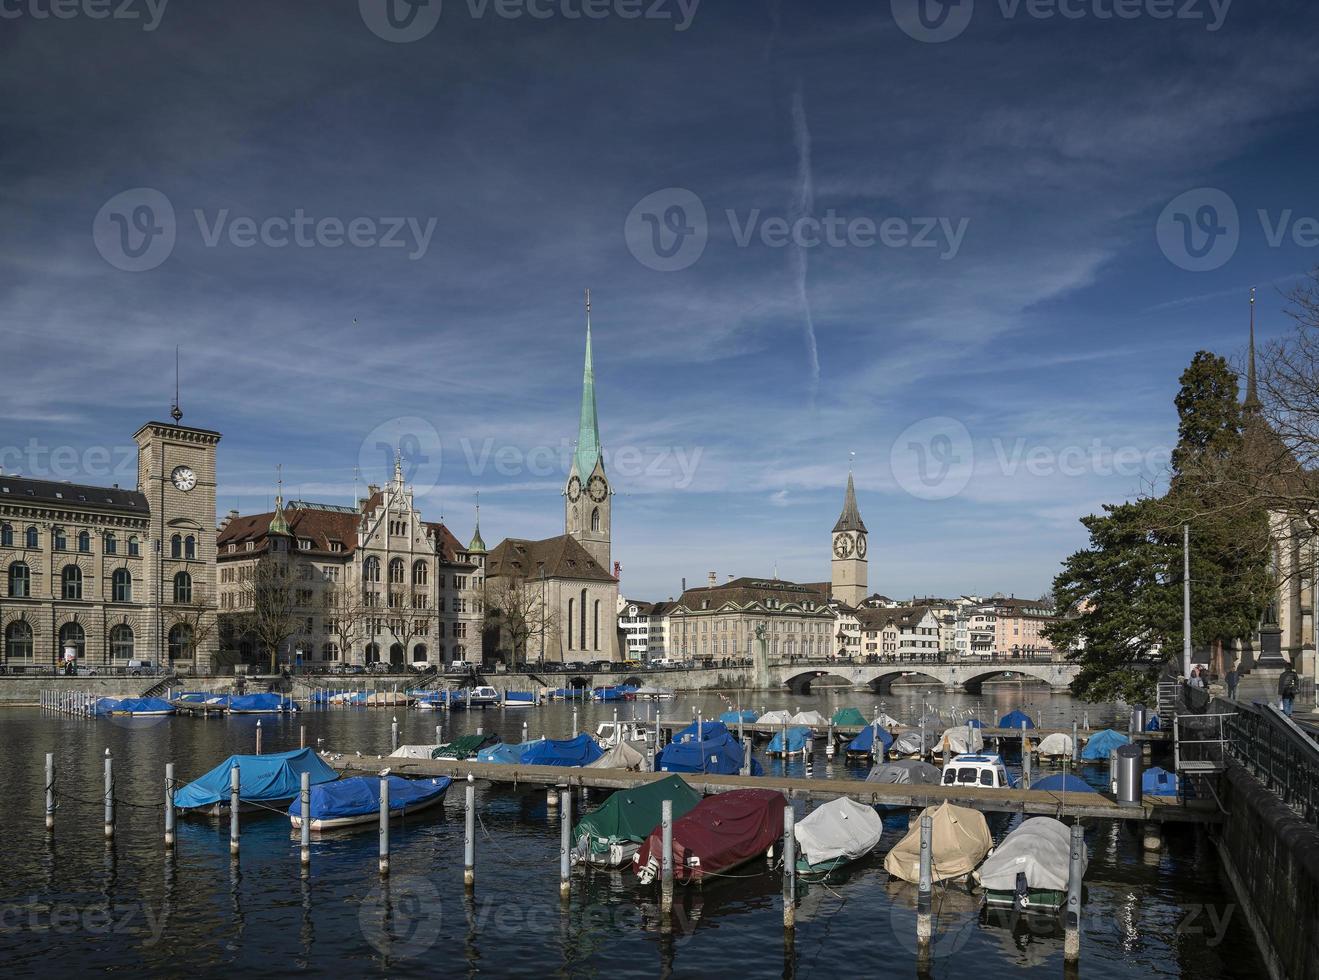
x=1251, y=404
x=478, y=544
x=588, y=430
x=398, y=466
x=279, y=523
x=850, y=519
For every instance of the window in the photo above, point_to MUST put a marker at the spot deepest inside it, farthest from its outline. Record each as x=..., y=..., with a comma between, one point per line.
x=111, y=545
x=329, y=651
x=190, y=548
x=121, y=586
x=84, y=542
x=459, y=631
x=20, y=581
x=183, y=587
x=581, y=625
x=72, y=635
x=304, y=544
x=570, y=623
x=134, y=547
x=71, y=578
x=180, y=640
x=595, y=519
x=595, y=625
x=371, y=570
x=176, y=546
x=396, y=571
x=18, y=641
x=31, y=537
x=420, y=573
x=121, y=643
x=6, y=536
x=59, y=541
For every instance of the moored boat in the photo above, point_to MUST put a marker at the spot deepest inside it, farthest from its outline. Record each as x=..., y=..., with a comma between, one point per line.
x=863, y=743
x=482, y=696
x=834, y=834
x=790, y=741
x=714, y=837
x=354, y=801
x=141, y=707
x=264, y=781
x=1029, y=870
x=521, y=699
x=983, y=769
x=260, y=704
x=610, y=835
x=579, y=751
x=959, y=841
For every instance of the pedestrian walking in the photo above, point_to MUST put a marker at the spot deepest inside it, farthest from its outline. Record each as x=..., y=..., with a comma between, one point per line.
x=1287, y=684
x=1231, y=679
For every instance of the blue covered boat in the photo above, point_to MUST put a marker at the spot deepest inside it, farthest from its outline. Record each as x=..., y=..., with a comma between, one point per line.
x=1100, y=745
x=104, y=706
x=746, y=716
x=702, y=729
x=268, y=780
x=521, y=699
x=579, y=751
x=346, y=802
x=864, y=742
x=1061, y=782
x=974, y=723
x=614, y=694
x=1158, y=782
x=797, y=739
x=260, y=704
x=506, y=753
x=1016, y=720
x=141, y=707
x=721, y=754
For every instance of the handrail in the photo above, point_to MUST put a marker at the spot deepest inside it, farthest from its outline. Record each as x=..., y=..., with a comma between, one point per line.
x=1279, y=753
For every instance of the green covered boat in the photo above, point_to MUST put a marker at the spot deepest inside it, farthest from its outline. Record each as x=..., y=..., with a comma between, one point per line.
x=610, y=835
x=463, y=747
x=850, y=716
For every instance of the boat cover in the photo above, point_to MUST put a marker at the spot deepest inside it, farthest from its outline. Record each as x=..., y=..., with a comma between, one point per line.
x=909, y=743
x=865, y=739
x=1056, y=744
x=360, y=795
x=841, y=828
x=959, y=842
x=709, y=729
x=886, y=721
x=719, y=833
x=620, y=756
x=144, y=706
x=1064, y=783
x=104, y=706
x=505, y=753
x=414, y=752
x=746, y=717
x=904, y=771
x=1158, y=782
x=1100, y=745
x=579, y=751
x=779, y=717
x=261, y=778
x=849, y=716
x=610, y=694
x=1153, y=724
x=650, y=691
x=261, y=702
x=796, y=740
x=722, y=755
x=813, y=718
x=463, y=747
x=962, y=739
x=1014, y=719
x=1040, y=848
x=520, y=697
x=631, y=814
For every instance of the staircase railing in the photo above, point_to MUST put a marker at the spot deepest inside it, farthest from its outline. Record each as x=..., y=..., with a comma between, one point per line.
x=1279, y=753
x=161, y=686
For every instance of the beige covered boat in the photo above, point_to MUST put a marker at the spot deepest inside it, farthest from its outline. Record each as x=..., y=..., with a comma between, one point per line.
x=959, y=842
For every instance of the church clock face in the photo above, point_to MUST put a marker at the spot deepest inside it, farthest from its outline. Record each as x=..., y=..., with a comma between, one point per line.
x=842, y=546
x=860, y=545
x=184, y=478
x=574, y=489
x=597, y=488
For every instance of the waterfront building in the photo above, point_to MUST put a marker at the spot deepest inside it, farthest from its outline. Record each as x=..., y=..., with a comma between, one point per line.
x=902, y=631
x=109, y=574
x=634, y=625
x=1019, y=627
x=719, y=621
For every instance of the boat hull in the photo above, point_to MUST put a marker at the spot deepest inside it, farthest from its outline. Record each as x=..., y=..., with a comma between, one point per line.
x=372, y=817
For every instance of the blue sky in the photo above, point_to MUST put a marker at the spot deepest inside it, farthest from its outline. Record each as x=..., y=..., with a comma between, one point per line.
x=1003, y=307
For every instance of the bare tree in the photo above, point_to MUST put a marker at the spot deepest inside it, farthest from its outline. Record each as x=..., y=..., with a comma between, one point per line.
x=407, y=620
x=345, y=613
x=516, y=609
x=201, y=621
x=269, y=604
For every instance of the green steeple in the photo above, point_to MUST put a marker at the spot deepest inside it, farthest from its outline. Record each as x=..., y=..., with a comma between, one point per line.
x=588, y=430
x=279, y=523
x=477, y=547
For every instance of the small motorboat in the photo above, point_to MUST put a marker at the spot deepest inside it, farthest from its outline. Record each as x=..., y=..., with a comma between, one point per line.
x=354, y=801
x=720, y=753
x=415, y=752
x=835, y=834
x=521, y=699
x=609, y=836
x=622, y=756
x=914, y=745
x=504, y=753
x=1060, y=782
x=463, y=747
x=959, y=841
x=633, y=733
x=778, y=717
x=648, y=692
x=904, y=771
x=848, y=716
x=1016, y=720
x=1055, y=746
x=985, y=770
x=717, y=835
x=745, y=717
x=613, y=694
x=1100, y=745
x=791, y=741
x=960, y=740
x=141, y=707
x=261, y=704
x=812, y=719
x=264, y=781
x=482, y=696
x=579, y=751
x=1029, y=870
x=863, y=743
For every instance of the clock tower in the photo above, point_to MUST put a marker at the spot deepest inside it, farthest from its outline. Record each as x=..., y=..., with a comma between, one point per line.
x=588, y=497
x=849, y=552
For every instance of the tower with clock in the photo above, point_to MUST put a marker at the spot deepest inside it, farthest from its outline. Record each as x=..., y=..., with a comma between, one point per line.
x=588, y=497
x=849, y=552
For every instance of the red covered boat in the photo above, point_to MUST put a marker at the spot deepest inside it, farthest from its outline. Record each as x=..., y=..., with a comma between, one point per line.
x=718, y=834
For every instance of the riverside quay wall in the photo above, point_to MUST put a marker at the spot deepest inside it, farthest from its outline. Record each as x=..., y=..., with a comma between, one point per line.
x=1272, y=858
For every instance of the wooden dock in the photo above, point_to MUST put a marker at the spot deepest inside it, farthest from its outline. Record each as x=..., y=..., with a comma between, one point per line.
x=850, y=731
x=1031, y=802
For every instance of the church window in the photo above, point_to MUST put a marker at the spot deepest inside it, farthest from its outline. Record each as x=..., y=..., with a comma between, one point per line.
x=570, y=623
x=595, y=519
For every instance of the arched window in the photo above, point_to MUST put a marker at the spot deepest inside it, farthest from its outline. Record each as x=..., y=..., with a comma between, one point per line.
x=595, y=625
x=121, y=586
x=176, y=546
x=31, y=541
x=59, y=541
x=183, y=587
x=71, y=579
x=420, y=573
x=121, y=642
x=134, y=546
x=20, y=581
x=570, y=622
x=396, y=655
x=84, y=542
x=581, y=626
x=396, y=572
x=190, y=547
x=371, y=570
x=419, y=653
x=18, y=641
x=6, y=536
x=595, y=519
x=180, y=641
x=372, y=653
x=72, y=635
x=111, y=545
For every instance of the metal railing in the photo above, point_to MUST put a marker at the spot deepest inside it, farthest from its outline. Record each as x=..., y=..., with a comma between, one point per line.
x=1279, y=753
x=1200, y=742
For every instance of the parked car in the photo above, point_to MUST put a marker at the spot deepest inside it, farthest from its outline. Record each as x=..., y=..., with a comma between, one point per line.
x=137, y=668
x=421, y=666
x=461, y=667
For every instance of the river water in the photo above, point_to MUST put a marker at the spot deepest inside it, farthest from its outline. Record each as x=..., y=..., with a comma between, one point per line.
x=79, y=906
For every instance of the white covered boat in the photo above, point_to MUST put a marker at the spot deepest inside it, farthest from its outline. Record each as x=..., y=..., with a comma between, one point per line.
x=1029, y=870
x=1055, y=746
x=835, y=833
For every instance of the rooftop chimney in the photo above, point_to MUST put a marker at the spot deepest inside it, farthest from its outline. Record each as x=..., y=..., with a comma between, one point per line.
x=684, y=583
x=714, y=580
x=730, y=576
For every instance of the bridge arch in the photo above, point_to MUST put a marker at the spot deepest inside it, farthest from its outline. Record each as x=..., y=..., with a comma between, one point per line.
x=882, y=683
x=802, y=683
x=1054, y=675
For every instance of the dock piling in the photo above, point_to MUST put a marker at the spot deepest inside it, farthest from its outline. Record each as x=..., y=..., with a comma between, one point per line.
x=233, y=809
x=384, y=824
x=305, y=801
x=169, y=806
x=50, y=792
x=258, y=736
x=565, y=845
x=393, y=735
x=666, y=857
x=789, y=869
x=469, y=837
x=109, y=796
x=924, y=931
x=573, y=733
x=439, y=731
x=302, y=736
x=746, y=757
x=1072, y=921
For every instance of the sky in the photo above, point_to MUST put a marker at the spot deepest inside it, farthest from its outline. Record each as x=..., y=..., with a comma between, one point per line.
x=964, y=249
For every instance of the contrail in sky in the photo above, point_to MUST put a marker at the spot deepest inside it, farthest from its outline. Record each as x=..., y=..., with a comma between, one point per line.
x=802, y=205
